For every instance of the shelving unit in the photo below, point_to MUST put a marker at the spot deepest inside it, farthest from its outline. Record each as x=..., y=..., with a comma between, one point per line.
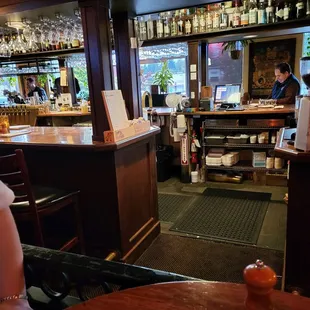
x=293, y=26
x=245, y=166
x=241, y=146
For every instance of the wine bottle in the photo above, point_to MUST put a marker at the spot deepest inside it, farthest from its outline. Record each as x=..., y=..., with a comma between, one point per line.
x=253, y=12
x=261, y=13
x=223, y=17
x=236, y=16
x=270, y=13
x=245, y=14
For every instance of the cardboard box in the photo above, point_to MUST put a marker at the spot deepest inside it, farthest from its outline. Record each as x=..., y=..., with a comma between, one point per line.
x=259, y=159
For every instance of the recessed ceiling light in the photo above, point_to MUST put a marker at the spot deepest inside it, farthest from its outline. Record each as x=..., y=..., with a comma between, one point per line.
x=16, y=24
x=250, y=36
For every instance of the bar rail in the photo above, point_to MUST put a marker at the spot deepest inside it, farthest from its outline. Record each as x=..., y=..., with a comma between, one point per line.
x=45, y=267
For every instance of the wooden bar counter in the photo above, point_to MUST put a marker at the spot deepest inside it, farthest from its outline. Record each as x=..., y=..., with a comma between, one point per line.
x=298, y=215
x=118, y=186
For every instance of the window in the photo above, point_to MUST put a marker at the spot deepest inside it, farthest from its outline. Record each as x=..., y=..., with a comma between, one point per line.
x=151, y=61
x=305, y=52
x=221, y=69
x=8, y=84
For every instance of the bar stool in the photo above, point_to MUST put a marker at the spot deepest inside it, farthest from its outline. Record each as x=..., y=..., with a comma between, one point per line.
x=35, y=203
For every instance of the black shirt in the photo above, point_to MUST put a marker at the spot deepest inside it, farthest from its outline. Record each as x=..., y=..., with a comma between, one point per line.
x=41, y=92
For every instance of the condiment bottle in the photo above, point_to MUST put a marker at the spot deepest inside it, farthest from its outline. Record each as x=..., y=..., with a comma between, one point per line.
x=260, y=281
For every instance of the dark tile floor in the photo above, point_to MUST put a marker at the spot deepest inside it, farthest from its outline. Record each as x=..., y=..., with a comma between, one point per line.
x=273, y=230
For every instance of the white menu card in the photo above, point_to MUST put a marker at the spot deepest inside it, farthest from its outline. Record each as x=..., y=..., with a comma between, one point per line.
x=115, y=108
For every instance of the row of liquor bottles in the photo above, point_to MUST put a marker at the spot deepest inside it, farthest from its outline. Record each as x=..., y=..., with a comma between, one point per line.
x=220, y=16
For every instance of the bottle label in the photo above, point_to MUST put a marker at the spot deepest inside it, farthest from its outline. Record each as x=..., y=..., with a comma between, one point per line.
x=209, y=21
x=236, y=19
x=160, y=28
x=142, y=29
x=253, y=16
x=202, y=21
x=286, y=13
x=216, y=21
x=173, y=29
x=280, y=13
x=261, y=16
x=269, y=9
x=188, y=27
x=244, y=19
x=300, y=5
x=195, y=22
x=167, y=30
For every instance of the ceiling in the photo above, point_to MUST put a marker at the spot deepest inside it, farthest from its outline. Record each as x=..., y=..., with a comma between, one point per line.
x=140, y=7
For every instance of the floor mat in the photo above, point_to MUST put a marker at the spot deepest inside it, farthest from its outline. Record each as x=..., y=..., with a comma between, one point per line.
x=228, y=215
x=207, y=260
x=170, y=206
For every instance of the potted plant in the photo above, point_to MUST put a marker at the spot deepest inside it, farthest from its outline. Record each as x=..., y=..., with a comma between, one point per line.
x=163, y=78
x=234, y=47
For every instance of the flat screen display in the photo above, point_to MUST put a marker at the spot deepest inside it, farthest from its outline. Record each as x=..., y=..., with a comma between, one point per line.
x=229, y=93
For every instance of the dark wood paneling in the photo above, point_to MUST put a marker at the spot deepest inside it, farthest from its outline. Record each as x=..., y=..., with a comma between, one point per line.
x=298, y=228
x=118, y=190
x=193, y=59
x=203, y=59
x=127, y=61
x=98, y=52
x=136, y=169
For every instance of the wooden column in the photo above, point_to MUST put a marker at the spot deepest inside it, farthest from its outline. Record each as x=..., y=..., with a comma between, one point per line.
x=193, y=63
x=203, y=58
x=127, y=60
x=98, y=52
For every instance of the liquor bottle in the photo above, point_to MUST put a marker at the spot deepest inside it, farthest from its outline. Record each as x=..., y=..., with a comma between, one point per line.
x=216, y=19
x=308, y=8
x=270, y=13
x=223, y=17
x=143, y=29
x=300, y=9
x=202, y=23
x=167, y=30
x=286, y=11
x=174, y=27
x=261, y=13
x=236, y=16
x=195, y=23
x=245, y=14
x=279, y=12
x=252, y=12
x=181, y=28
x=188, y=26
x=209, y=18
x=150, y=28
x=160, y=27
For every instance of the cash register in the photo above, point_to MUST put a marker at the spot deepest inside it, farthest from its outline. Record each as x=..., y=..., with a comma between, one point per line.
x=227, y=97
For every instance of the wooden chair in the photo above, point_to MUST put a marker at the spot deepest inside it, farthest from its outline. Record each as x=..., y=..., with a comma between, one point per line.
x=35, y=203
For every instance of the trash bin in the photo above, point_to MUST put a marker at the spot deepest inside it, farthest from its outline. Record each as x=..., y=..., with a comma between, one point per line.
x=164, y=155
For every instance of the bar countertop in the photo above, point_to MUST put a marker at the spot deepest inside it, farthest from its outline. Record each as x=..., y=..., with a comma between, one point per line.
x=247, y=110
x=69, y=137
x=283, y=149
x=63, y=114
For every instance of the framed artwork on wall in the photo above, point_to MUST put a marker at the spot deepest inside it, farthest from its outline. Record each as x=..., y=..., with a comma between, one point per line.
x=263, y=58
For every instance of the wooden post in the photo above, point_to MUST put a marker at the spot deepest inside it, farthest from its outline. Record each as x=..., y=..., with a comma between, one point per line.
x=193, y=69
x=98, y=52
x=127, y=60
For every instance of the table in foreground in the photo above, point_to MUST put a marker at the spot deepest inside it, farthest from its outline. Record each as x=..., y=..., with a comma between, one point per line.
x=188, y=295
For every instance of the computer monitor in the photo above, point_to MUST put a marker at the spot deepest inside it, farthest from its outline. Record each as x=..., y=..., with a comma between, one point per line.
x=229, y=93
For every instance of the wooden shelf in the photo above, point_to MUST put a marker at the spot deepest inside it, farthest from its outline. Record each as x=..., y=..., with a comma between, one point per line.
x=294, y=26
x=245, y=166
x=43, y=54
x=240, y=128
x=242, y=146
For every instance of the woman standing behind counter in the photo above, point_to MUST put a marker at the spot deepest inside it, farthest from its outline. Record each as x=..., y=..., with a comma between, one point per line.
x=287, y=86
